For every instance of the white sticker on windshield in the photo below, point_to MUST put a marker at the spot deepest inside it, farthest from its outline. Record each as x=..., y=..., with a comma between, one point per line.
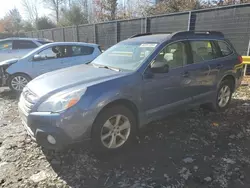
x=148, y=45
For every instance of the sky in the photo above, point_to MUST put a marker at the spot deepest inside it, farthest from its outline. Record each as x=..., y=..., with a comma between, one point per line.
x=10, y=4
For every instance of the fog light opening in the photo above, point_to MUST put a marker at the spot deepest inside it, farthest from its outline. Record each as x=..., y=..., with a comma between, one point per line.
x=51, y=139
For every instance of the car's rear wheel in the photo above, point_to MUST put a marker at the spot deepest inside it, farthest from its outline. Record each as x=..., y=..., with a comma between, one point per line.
x=223, y=96
x=113, y=129
x=18, y=81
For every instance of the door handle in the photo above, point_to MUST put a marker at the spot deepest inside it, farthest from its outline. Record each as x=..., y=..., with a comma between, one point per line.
x=185, y=74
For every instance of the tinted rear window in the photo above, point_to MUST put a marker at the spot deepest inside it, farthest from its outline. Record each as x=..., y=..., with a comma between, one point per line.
x=224, y=48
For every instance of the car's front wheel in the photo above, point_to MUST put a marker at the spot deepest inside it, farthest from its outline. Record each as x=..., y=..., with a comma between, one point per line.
x=18, y=81
x=113, y=129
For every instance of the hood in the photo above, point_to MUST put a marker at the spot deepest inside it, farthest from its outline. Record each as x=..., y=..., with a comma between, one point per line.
x=61, y=79
x=8, y=62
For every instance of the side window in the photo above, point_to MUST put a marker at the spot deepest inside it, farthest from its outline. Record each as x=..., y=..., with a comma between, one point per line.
x=174, y=55
x=49, y=53
x=224, y=48
x=23, y=44
x=82, y=50
x=203, y=51
x=5, y=45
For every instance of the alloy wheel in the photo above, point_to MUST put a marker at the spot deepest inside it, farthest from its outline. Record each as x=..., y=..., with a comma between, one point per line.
x=18, y=83
x=115, y=131
x=224, y=96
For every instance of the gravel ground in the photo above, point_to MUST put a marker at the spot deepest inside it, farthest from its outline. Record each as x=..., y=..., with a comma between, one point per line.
x=188, y=150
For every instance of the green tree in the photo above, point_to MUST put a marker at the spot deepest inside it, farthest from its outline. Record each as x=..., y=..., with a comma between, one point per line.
x=27, y=26
x=44, y=23
x=73, y=16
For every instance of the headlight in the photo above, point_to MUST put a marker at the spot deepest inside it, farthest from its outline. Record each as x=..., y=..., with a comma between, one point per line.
x=61, y=101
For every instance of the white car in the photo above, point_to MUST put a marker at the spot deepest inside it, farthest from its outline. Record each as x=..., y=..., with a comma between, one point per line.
x=18, y=47
x=16, y=73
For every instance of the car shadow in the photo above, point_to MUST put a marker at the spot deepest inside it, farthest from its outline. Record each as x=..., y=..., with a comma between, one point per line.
x=156, y=157
x=7, y=94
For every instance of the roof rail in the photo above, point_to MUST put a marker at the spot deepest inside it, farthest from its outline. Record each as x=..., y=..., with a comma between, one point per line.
x=145, y=34
x=192, y=33
x=140, y=34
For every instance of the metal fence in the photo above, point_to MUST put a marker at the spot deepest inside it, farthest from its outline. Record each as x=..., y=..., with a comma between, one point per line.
x=233, y=21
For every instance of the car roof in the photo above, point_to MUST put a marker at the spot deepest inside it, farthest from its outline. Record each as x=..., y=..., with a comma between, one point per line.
x=180, y=35
x=71, y=43
x=24, y=38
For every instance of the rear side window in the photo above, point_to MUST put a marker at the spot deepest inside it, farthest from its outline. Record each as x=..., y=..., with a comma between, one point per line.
x=203, y=51
x=5, y=45
x=224, y=48
x=82, y=50
x=23, y=44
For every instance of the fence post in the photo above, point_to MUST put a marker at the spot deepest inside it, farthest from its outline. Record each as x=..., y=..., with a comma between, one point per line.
x=248, y=49
x=63, y=34
x=146, y=24
x=116, y=32
x=95, y=35
x=189, y=20
x=52, y=34
x=77, y=34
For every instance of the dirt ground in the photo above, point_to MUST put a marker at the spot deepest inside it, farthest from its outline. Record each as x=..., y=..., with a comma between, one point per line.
x=191, y=149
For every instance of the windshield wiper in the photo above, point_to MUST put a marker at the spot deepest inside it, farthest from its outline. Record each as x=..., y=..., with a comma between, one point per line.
x=106, y=67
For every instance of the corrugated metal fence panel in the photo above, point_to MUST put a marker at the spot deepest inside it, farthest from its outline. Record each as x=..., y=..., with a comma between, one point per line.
x=70, y=34
x=234, y=23
x=40, y=34
x=106, y=34
x=86, y=33
x=48, y=34
x=169, y=23
x=58, y=35
x=29, y=34
x=35, y=34
x=128, y=28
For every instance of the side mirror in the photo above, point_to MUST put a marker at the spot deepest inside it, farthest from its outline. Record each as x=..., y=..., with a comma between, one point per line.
x=159, y=67
x=37, y=57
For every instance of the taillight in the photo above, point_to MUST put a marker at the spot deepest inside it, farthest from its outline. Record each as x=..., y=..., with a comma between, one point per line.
x=240, y=59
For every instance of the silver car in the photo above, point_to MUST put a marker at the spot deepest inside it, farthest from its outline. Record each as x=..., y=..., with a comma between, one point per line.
x=18, y=47
x=16, y=73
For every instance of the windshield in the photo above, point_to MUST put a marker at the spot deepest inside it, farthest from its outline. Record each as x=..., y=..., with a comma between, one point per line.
x=125, y=56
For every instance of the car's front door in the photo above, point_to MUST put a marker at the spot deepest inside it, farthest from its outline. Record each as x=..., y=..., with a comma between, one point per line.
x=163, y=92
x=49, y=59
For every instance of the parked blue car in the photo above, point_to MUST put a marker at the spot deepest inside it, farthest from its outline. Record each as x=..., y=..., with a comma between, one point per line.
x=139, y=80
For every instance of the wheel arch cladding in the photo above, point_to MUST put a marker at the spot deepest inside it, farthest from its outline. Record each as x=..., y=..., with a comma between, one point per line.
x=231, y=78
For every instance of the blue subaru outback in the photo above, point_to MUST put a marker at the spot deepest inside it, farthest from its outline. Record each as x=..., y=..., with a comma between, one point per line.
x=136, y=81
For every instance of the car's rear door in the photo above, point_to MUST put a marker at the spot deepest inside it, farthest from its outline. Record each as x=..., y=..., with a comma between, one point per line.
x=203, y=70
x=78, y=54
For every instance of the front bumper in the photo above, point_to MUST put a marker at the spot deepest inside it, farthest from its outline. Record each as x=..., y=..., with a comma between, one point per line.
x=64, y=129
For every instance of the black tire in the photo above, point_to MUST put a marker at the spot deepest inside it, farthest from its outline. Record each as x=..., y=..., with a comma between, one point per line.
x=215, y=107
x=106, y=114
x=12, y=77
